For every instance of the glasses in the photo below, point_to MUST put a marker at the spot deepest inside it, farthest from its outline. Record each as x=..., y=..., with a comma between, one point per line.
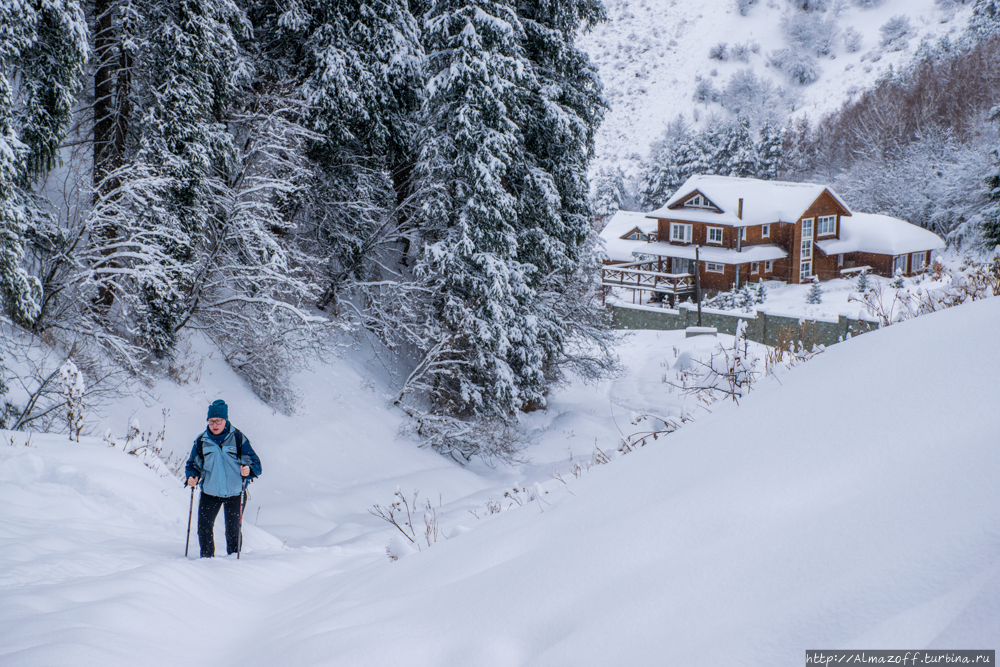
x=217, y=422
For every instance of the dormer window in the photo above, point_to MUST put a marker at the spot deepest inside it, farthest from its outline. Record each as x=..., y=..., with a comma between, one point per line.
x=698, y=201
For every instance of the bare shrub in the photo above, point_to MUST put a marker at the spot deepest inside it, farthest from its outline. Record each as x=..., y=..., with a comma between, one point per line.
x=896, y=33
x=810, y=32
x=706, y=92
x=400, y=514
x=852, y=40
x=742, y=52
x=810, y=5
x=719, y=52
x=800, y=67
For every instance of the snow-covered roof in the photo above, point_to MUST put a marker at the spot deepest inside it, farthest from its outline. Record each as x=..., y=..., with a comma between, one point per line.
x=753, y=253
x=621, y=223
x=763, y=201
x=880, y=234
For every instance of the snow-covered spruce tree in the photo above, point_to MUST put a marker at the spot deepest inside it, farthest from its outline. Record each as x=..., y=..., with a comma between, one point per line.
x=507, y=133
x=609, y=193
x=770, y=151
x=360, y=64
x=739, y=151
x=760, y=292
x=555, y=233
x=43, y=48
x=662, y=174
x=863, y=282
x=194, y=76
x=991, y=215
x=985, y=20
x=815, y=294
x=479, y=299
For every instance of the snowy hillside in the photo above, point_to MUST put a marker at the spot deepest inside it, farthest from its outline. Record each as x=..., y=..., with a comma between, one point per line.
x=652, y=55
x=851, y=504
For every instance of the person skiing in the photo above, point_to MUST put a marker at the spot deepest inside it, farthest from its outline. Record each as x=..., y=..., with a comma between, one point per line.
x=222, y=460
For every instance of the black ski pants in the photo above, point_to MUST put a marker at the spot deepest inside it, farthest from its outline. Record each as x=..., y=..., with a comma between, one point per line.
x=208, y=510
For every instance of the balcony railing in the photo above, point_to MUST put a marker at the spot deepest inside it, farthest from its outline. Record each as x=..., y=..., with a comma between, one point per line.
x=644, y=277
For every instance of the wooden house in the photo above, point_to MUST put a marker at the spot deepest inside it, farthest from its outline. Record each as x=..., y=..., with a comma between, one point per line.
x=746, y=230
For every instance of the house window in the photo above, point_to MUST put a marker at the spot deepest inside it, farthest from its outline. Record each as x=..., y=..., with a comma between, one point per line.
x=765, y=231
x=678, y=265
x=826, y=224
x=679, y=232
x=754, y=267
x=712, y=267
x=805, y=270
x=715, y=234
x=899, y=264
x=698, y=201
x=768, y=266
x=919, y=261
x=840, y=259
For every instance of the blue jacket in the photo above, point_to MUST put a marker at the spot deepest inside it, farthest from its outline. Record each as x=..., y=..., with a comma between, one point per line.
x=219, y=469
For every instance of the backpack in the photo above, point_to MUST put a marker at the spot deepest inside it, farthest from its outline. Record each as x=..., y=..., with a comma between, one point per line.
x=239, y=448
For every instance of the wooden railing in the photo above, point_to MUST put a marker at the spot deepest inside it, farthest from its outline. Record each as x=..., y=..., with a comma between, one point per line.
x=644, y=277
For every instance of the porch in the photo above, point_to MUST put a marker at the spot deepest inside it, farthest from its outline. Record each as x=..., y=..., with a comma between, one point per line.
x=648, y=276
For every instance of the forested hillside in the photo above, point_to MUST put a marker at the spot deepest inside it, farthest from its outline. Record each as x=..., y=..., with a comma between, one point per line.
x=276, y=173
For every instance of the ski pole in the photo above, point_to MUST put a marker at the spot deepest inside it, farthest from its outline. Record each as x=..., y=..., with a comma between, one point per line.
x=243, y=496
x=190, y=511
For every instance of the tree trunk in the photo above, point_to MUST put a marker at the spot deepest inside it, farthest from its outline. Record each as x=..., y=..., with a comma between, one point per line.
x=111, y=111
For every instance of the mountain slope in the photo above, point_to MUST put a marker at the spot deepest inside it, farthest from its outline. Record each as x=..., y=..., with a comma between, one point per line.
x=651, y=55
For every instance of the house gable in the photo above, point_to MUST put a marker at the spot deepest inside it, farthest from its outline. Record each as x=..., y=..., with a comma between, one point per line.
x=635, y=234
x=698, y=200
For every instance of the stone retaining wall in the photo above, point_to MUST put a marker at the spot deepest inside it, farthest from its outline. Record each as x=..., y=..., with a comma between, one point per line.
x=762, y=327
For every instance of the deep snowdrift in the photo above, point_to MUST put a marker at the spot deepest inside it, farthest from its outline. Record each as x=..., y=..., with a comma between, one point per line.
x=852, y=505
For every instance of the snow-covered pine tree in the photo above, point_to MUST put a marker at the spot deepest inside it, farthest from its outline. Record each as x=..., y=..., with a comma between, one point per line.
x=555, y=235
x=760, y=292
x=43, y=47
x=746, y=298
x=195, y=73
x=662, y=174
x=991, y=215
x=477, y=321
x=985, y=19
x=862, y=284
x=770, y=151
x=609, y=192
x=815, y=294
x=737, y=154
x=356, y=70
x=897, y=279
x=509, y=118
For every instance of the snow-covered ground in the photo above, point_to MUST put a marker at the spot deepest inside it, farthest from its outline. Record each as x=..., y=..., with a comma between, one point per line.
x=651, y=54
x=850, y=502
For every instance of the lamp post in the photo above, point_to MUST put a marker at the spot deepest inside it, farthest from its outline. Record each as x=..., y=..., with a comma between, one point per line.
x=697, y=281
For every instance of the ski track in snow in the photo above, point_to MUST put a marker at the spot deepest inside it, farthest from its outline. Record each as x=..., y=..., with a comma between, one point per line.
x=853, y=503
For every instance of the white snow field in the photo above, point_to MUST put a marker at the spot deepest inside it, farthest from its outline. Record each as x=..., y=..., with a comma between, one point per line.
x=850, y=503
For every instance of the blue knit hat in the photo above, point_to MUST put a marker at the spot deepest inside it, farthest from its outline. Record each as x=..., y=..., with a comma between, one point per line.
x=218, y=409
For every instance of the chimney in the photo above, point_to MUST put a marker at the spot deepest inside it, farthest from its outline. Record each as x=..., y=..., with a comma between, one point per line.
x=739, y=212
